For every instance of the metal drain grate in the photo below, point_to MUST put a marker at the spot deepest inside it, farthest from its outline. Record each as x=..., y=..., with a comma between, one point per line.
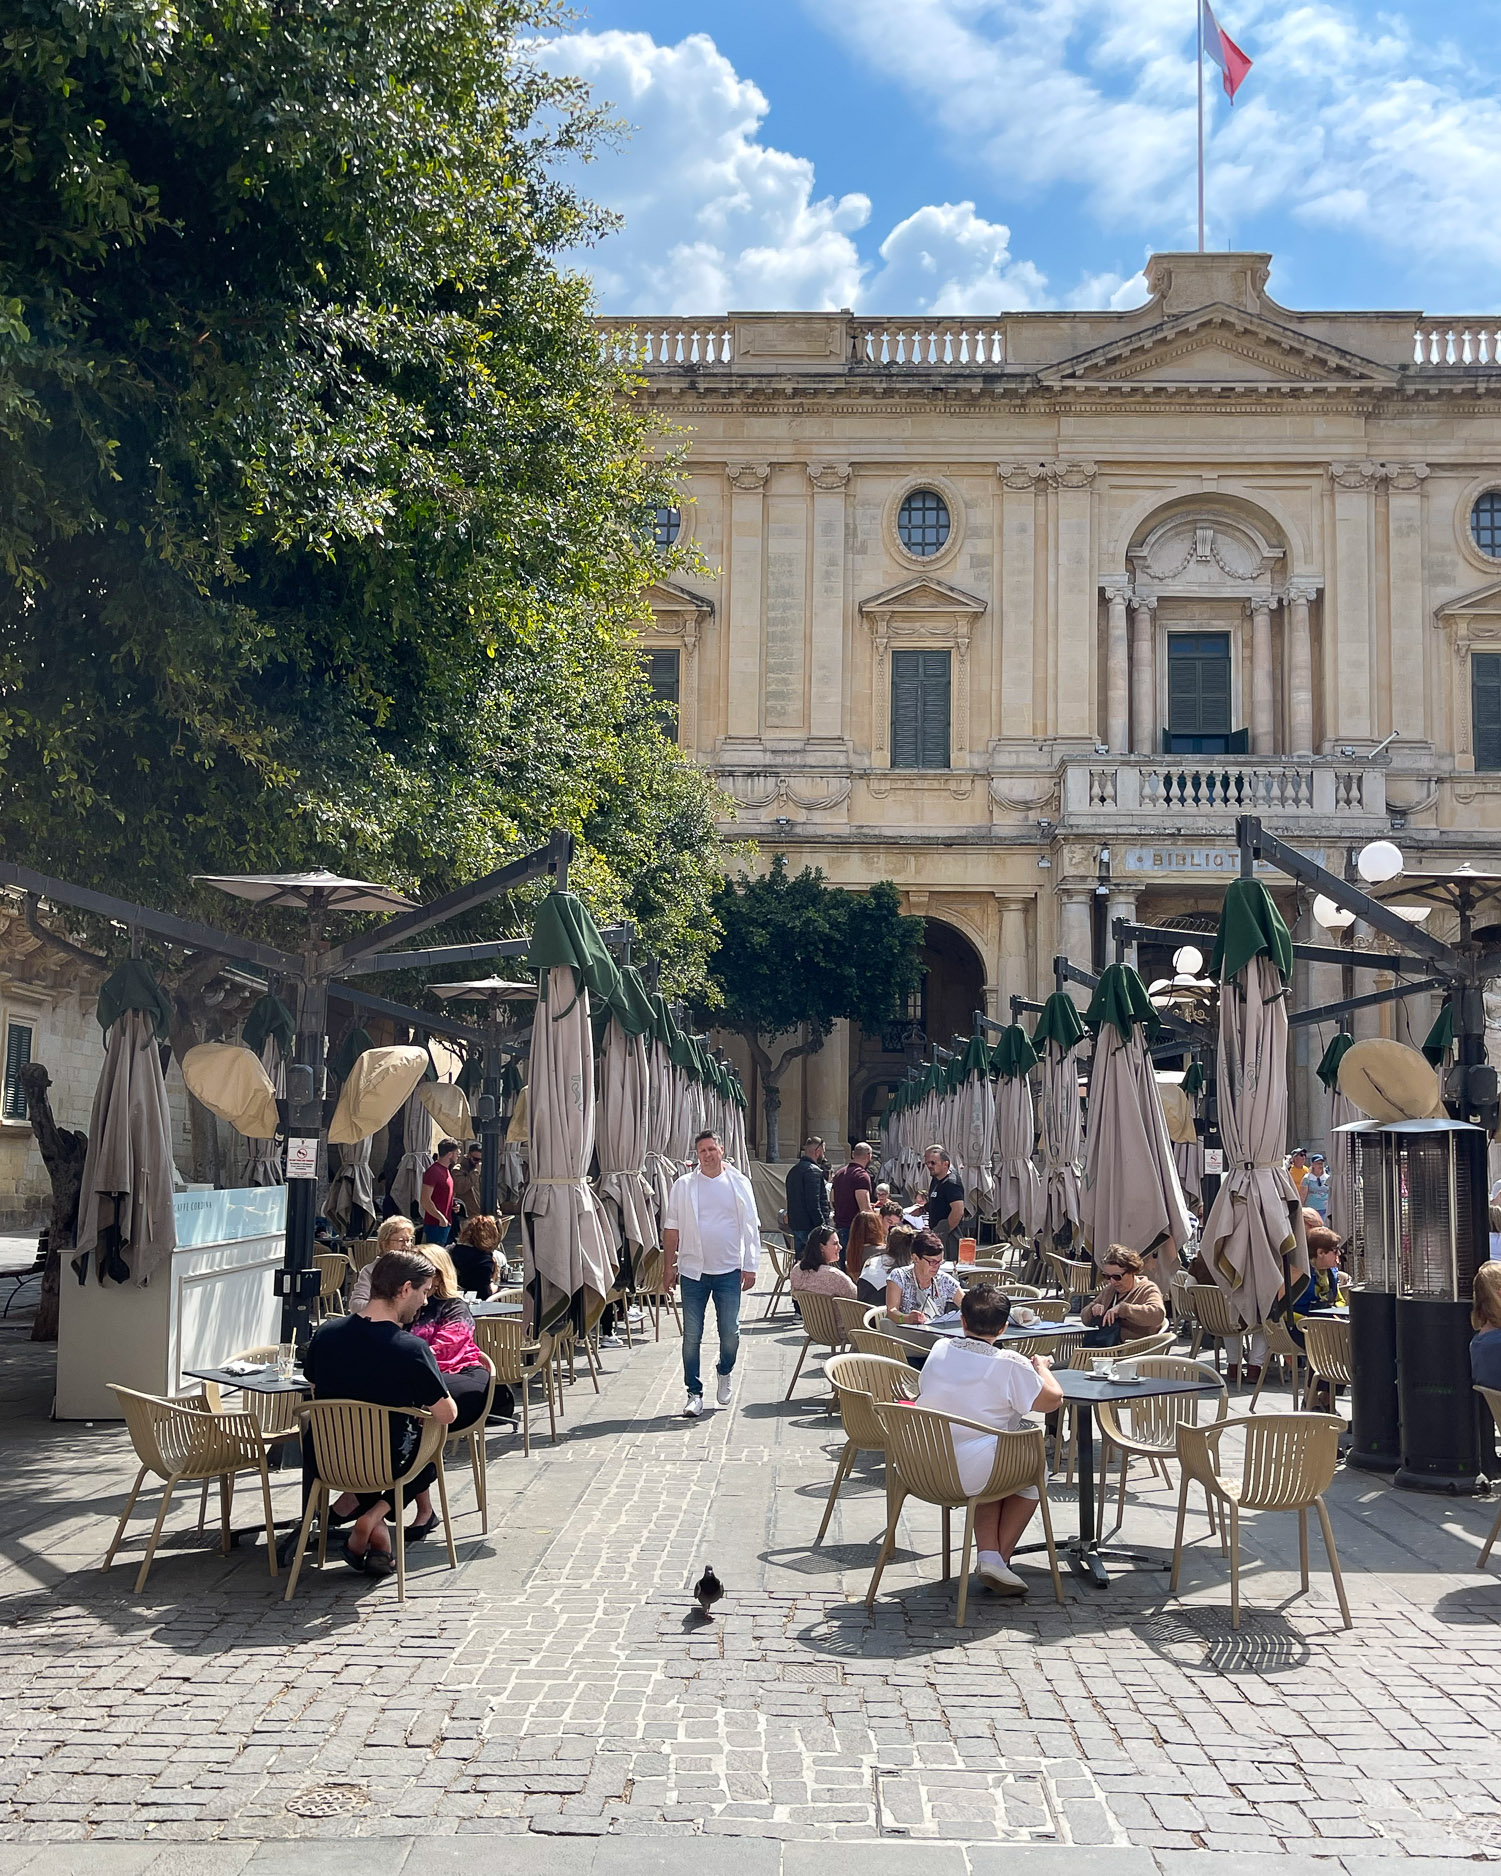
x=328, y=1800
x=812, y=1674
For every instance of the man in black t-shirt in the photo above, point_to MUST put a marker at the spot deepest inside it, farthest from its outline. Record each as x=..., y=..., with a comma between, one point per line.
x=375, y=1358
x=945, y=1199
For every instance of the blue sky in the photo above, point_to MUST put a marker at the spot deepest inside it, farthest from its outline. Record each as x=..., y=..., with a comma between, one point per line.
x=988, y=155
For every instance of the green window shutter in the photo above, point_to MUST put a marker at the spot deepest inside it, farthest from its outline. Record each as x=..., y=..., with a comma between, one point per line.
x=920, y=709
x=935, y=710
x=17, y=1055
x=663, y=673
x=1485, y=704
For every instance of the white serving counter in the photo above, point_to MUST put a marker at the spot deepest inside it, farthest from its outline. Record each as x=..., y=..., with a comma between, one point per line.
x=216, y=1298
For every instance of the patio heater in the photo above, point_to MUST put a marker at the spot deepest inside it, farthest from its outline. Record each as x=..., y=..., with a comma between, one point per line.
x=1421, y=1231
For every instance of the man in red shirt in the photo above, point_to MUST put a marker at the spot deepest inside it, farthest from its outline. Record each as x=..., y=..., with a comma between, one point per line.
x=437, y=1194
x=854, y=1191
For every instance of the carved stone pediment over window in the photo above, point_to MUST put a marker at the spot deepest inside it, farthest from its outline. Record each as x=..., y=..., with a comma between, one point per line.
x=1206, y=556
x=676, y=619
x=1473, y=622
x=1218, y=348
x=921, y=614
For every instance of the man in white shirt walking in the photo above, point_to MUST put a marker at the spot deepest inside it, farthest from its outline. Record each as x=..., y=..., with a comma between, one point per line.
x=712, y=1239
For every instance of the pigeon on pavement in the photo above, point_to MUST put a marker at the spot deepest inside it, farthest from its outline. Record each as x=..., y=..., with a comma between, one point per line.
x=708, y=1589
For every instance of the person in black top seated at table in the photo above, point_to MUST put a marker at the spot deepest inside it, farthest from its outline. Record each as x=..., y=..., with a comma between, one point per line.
x=474, y=1256
x=375, y=1357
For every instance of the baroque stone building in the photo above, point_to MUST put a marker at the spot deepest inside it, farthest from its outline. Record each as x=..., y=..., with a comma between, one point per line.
x=1021, y=612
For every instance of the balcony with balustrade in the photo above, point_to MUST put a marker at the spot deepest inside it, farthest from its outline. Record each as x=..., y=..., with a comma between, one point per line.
x=1167, y=794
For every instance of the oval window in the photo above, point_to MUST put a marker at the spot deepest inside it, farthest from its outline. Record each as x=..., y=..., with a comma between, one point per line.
x=1485, y=524
x=922, y=522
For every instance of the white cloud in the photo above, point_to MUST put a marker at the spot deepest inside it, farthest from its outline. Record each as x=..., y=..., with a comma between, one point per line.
x=1349, y=118
x=717, y=220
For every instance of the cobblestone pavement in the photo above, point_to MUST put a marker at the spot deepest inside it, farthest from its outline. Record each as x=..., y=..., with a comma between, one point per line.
x=560, y=1685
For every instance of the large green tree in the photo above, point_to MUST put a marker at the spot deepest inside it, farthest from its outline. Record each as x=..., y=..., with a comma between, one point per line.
x=796, y=954
x=322, y=516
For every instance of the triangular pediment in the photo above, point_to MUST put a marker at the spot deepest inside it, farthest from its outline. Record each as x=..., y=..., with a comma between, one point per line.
x=662, y=597
x=922, y=595
x=1218, y=347
x=1483, y=603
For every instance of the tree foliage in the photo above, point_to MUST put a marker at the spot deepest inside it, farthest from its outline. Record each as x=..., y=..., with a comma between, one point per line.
x=321, y=516
x=796, y=954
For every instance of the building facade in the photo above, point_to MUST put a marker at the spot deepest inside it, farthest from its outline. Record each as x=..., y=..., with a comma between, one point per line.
x=1020, y=613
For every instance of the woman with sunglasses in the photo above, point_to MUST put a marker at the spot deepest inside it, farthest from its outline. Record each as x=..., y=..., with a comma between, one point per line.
x=1128, y=1305
x=923, y=1289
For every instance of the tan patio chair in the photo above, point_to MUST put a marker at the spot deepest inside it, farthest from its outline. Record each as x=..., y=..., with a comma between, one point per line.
x=860, y=1381
x=502, y=1341
x=1017, y=1290
x=473, y=1437
x=873, y=1342
x=822, y=1328
x=920, y=1463
x=1280, y=1346
x=1492, y=1398
x=184, y=1440
x=1148, y=1429
x=876, y=1317
x=1209, y=1310
x=1326, y=1348
x=361, y=1251
x=851, y=1312
x=1071, y=1277
x=333, y=1268
x=1179, y=1314
x=1081, y=1359
x=781, y=1263
x=648, y=1290
x=1288, y=1464
x=352, y=1453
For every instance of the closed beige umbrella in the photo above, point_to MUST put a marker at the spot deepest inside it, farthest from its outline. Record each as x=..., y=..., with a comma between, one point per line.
x=125, y=1213
x=1253, y=1239
x=268, y=1029
x=1059, y=1032
x=624, y=1099
x=350, y=1204
x=569, y=1264
x=974, y=1128
x=418, y=1136
x=1019, y=1196
x=1188, y=1148
x=1131, y=1193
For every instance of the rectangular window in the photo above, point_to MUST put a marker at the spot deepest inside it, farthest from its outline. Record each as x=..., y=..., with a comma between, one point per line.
x=1485, y=707
x=1199, y=696
x=662, y=673
x=17, y=1055
x=919, y=709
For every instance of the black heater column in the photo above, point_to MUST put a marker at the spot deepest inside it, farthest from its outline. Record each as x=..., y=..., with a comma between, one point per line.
x=1375, y=1423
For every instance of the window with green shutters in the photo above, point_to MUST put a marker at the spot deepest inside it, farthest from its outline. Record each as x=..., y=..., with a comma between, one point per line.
x=919, y=709
x=1485, y=707
x=662, y=673
x=17, y=1055
x=1199, y=696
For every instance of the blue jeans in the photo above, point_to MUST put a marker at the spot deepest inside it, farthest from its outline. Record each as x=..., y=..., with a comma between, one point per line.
x=696, y=1291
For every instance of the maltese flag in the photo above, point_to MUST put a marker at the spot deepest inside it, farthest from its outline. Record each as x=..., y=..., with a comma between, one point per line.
x=1228, y=56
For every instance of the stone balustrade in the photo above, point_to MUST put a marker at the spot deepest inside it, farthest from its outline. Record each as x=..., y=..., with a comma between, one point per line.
x=956, y=343
x=1456, y=342
x=1208, y=788
x=667, y=344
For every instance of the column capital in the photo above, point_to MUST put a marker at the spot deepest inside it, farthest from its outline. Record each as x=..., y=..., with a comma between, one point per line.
x=1260, y=602
x=1021, y=475
x=748, y=476
x=829, y=476
x=1300, y=592
x=1116, y=593
x=1142, y=602
x=1406, y=475
x=1075, y=475
x=1355, y=475
x=1014, y=898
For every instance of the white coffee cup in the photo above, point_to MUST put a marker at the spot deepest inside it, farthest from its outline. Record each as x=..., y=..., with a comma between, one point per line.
x=1103, y=1367
x=1124, y=1371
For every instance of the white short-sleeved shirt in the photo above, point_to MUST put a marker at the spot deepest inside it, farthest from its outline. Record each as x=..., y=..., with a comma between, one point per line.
x=979, y=1382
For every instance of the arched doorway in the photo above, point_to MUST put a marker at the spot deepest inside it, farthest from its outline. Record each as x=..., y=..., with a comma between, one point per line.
x=943, y=1006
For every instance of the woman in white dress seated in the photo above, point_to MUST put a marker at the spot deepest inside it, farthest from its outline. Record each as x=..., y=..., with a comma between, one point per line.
x=973, y=1379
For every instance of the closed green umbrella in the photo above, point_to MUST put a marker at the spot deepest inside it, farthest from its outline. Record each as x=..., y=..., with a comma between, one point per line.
x=1020, y=1199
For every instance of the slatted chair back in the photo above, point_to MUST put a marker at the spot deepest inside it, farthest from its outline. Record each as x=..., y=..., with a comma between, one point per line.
x=1327, y=1346
x=920, y=1445
x=352, y=1444
x=1150, y=1427
x=822, y=1323
x=876, y=1316
x=1013, y=1286
x=361, y=1251
x=861, y=1383
x=333, y=1268
x=1144, y=1345
x=1048, y=1308
x=1060, y=1347
x=872, y=1342
x=1287, y=1462
x=166, y=1434
x=1177, y=1295
x=1209, y=1306
x=851, y=1313
x=501, y=1340
x=1072, y=1277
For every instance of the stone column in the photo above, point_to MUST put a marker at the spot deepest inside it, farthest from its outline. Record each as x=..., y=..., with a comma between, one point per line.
x=1409, y=649
x=747, y=557
x=1078, y=606
x=1144, y=738
x=1263, y=732
x=1347, y=636
x=827, y=1092
x=1015, y=972
x=828, y=623
x=1018, y=589
x=1122, y=905
x=1075, y=933
x=1118, y=673
x=1299, y=671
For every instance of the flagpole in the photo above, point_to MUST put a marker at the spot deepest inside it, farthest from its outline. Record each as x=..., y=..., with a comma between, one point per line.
x=1199, y=10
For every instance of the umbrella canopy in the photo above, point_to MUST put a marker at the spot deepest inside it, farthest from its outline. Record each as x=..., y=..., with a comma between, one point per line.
x=304, y=890
x=1059, y=1032
x=125, y=1213
x=569, y=1265
x=231, y=1081
x=1020, y=1200
x=351, y=1192
x=1178, y=1110
x=417, y=1137
x=269, y=1029
x=449, y=1107
x=377, y=1083
x=1132, y=1194
x=974, y=1130
x=624, y=1101
x=1253, y=1239
x=1342, y=1112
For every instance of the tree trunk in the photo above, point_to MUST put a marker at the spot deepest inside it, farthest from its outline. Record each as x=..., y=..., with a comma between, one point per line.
x=773, y=1108
x=771, y=1074
x=63, y=1153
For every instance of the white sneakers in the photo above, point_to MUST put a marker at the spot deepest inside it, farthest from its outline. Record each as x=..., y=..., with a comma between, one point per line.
x=722, y=1392
x=694, y=1406
x=995, y=1574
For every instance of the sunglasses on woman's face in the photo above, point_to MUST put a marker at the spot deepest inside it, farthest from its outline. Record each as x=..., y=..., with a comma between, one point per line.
x=1115, y=1275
